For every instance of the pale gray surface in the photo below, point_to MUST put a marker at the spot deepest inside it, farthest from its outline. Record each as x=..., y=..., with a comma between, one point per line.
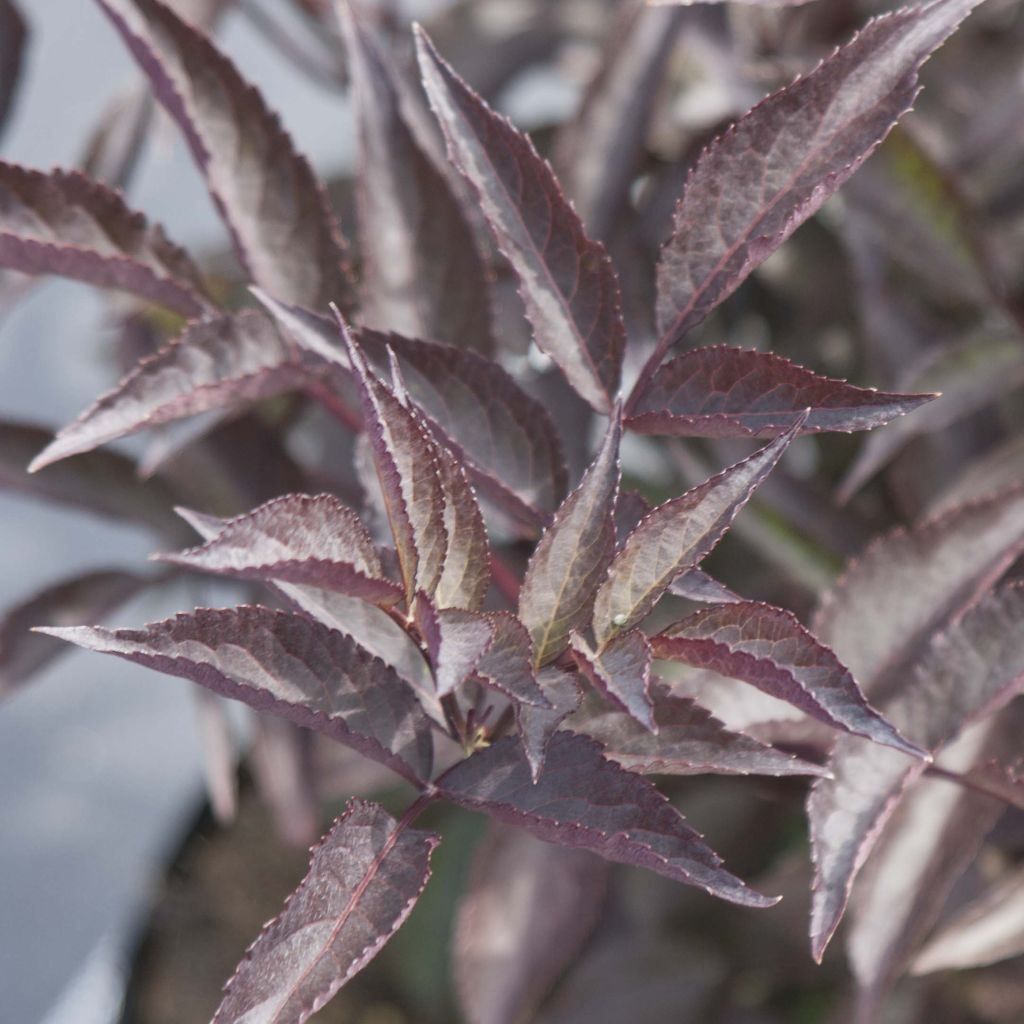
x=98, y=759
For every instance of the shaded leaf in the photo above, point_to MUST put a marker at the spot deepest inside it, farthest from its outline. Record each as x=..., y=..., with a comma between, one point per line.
x=537, y=725
x=63, y=223
x=364, y=878
x=630, y=509
x=967, y=672
x=621, y=672
x=456, y=639
x=507, y=665
x=989, y=929
x=287, y=664
x=754, y=185
x=222, y=361
x=585, y=801
x=697, y=585
x=566, y=280
x=89, y=597
x=316, y=541
x=754, y=3
x=219, y=754
x=527, y=909
x=13, y=33
x=909, y=584
x=571, y=558
x=689, y=741
x=768, y=648
x=280, y=220
x=731, y=392
x=422, y=273
x=675, y=537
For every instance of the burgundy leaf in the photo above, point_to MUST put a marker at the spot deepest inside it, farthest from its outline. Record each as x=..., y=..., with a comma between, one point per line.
x=989, y=929
x=768, y=648
x=585, y=801
x=212, y=363
x=689, y=741
x=102, y=482
x=732, y=392
x=537, y=725
x=697, y=585
x=64, y=223
x=676, y=536
x=566, y=280
x=287, y=664
x=621, y=672
x=599, y=150
x=92, y=596
x=456, y=640
x=316, y=541
x=527, y=909
x=630, y=508
x=759, y=181
x=281, y=222
x=572, y=555
x=966, y=673
x=406, y=459
x=507, y=665
x=422, y=273
x=506, y=437
x=13, y=33
x=909, y=584
x=364, y=878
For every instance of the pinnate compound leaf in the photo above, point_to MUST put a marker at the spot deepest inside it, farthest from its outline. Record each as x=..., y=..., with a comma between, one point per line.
x=456, y=639
x=910, y=583
x=675, y=537
x=13, y=34
x=621, y=672
x=527, y=909
x=222, y=361
x=585, y=801
x=989, y=929
x=777, y=165
x=316, y=541
x=422, y=272
x=967, y=672
x=286, y=664
x=537, y=725
x=689, y=741
x=572, y=555
x=66, y=224
x=81, y=598
x=407, y=463
x=364, y=879
x=768, y=648
x=278, y=213
x=507, y=665
x=731, y=392
x=566, y=280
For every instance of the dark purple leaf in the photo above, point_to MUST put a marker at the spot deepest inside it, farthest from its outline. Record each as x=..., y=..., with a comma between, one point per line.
x=676, y=536
x=599, y=150
x=537, y=725
x=566, y=280
x=572, y=556
x=287, y=664
x=456, y=640
x=69, y=602
x=364, y=878
x=507, y=665
x=989, y=929
x=768, y=648
x=13, y=33
x=759, y=181
x=909, y=584
x=102, y=482
x=630, y=508
x=697, y=585
x=621, y=672
x=315, y=541
x=406, y=460
x=422, y=273
x=585, y=801
x=527, y=909
x=63, y=223
x=281, y=222
x=967, y=672
x=223, y=361
x=689, y=741
x=732, y=392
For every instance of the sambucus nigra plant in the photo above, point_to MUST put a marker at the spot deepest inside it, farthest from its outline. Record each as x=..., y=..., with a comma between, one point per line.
x=505, y=663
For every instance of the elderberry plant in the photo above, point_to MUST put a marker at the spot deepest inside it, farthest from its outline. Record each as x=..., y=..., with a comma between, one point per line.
x=459, y=605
